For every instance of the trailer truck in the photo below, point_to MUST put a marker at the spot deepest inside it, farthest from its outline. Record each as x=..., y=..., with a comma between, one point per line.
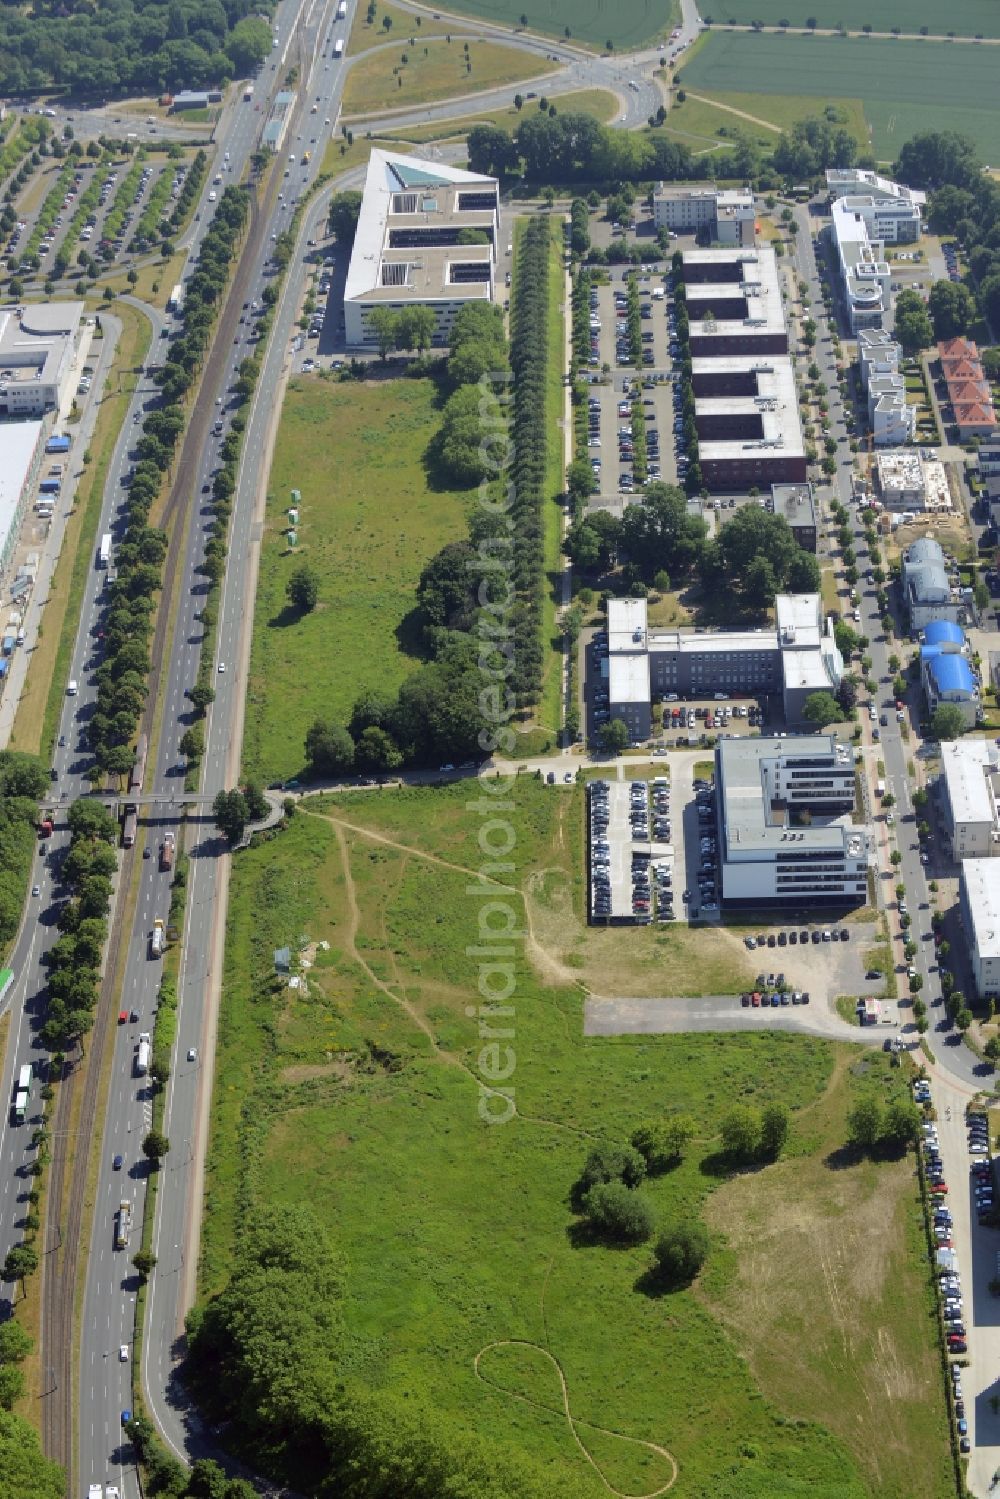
x=248, y=92
x=123, y=1227
x=104, y=555
x=167, y=851
x=156, y=938
x=142, y=1055
x=338, y=47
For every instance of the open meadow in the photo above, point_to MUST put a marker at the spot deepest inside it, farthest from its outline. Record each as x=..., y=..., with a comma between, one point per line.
x=702, y=119
x=469, y=1283
x=963, y=17
x=370, y=518
x=625, y=23
x=905, y=86
x=391, y=78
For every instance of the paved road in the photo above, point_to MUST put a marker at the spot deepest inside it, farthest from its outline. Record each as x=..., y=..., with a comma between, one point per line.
x=622, y=1016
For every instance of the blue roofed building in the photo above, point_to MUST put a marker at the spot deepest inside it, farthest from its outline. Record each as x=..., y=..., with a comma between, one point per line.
x=946, y=671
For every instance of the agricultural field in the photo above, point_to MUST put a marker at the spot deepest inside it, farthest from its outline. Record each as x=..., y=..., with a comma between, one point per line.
x=625, y=23
x=469, y=1283
x=435, y=70
x=963, y=17
x=369, y=519
x=904, y=86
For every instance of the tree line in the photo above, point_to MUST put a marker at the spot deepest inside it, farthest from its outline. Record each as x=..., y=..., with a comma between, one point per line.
x=122, y=677
x=129, y=48
x=23, y=783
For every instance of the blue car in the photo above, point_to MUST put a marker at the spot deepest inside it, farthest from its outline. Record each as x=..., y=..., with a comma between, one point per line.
x=126, y=1417
x=118, y=1163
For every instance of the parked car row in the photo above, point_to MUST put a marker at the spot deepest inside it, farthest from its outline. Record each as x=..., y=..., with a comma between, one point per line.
x=761, y=999
x=600, y=848
x=800, y=938
x=708, y=884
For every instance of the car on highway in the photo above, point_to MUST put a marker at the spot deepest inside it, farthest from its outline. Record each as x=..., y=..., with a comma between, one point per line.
x=123, y=1353
x=192, y=1054
x=118, y=1163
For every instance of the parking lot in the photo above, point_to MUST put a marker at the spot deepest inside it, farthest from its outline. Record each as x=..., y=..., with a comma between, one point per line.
x=632, y=875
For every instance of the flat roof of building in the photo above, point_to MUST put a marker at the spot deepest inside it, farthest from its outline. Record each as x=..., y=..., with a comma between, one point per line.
x=857, y=179
x=628, y=677
x=776, y=406
x=758, y=284
x=981, y=882
x=18, y=441
x=36, y=341
x=900, y=471
x=798, y=620
x=626, y=625
x=965, y=765
x=406, y=195
x=795, y=502
x=696, y=642
x=753, y=823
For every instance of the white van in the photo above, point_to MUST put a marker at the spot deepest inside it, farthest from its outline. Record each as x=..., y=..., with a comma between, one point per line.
x=73, y=687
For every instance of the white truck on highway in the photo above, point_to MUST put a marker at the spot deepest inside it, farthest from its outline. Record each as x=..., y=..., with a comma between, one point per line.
x=156, y=940
x=142, y=1055
x=95, y=1491
x=123, y=1228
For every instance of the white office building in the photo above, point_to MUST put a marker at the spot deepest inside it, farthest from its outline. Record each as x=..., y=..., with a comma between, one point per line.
x=786, y=835
x=22, y=448
x=970, y=778
x=726, y=216
x=864, y=269
x=893, y=211
x=410, y=249
x=893, y=421
x=37, y=344
x=979, y=903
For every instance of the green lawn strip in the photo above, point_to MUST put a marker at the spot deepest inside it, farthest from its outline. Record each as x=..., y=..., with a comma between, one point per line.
x=371, y=516
x=626, y=24
x=331, y=1095
x=551, y=704
x=963, y=17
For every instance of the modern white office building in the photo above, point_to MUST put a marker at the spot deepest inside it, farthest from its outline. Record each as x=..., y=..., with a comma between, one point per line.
x=795, y=658
x=427, y=236
x=970, y=780
x=37, y=344
x=893, y=211
x=734, y=303
x=786, y=835
x=979, y=903
x=725, y=216
x=864, y=270
x=893, y=421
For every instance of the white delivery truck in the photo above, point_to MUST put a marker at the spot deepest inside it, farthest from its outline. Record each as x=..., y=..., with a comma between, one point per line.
x=142, y=1056
x=156, y=941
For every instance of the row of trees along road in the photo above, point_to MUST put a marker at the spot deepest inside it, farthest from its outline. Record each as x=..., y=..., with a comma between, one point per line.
x=131, y=599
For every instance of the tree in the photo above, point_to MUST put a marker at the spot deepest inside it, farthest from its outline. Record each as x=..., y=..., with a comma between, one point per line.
x=609, y=1163
x=376, y=750
x=864, y=1124
x=192, y=745
x=384, y=323
x=821, y=708
x=24, y=1472
x=952, y=309
x=15, y=1343
x=329, y=748
x=345, y=211
x=144, y=1260
x=155, y=1145
x=258, y=805
x=445, y=590
x=740, y=1131
x=415, y=328
x=901, y=1123
x=773, y=1130
x=913, y=325
x=21, y=1261
x=230, y=812
x=680, y=1251
x=947, y=722
x=202, y=696
x=618, y=1213
x=302, y=589
x=613, y=737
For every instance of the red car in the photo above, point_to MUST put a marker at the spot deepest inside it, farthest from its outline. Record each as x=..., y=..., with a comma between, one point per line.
x=957, y=1345
x=123, y=1017
x=940, y=1188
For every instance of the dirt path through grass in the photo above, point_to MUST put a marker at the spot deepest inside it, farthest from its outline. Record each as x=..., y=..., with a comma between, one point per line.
x=740, y=113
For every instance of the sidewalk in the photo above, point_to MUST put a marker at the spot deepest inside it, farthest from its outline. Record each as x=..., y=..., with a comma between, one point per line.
x=49, y=542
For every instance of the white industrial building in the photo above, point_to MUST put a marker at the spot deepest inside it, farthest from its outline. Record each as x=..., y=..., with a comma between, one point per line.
x=784, y=810
x=864, y=269
x=37, y=345
x=970, y=780
x=893, y=421
x=22, y=447
x=409, y=250
x=979, y=902
x=728, y=215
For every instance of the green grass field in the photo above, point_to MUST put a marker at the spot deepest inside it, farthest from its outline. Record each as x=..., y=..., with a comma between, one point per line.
x=370, y=518
x=964, y=17
x=437, y=69
x=360, y=1096
x=625, y=23
x=905, y=86
x=702, y=120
